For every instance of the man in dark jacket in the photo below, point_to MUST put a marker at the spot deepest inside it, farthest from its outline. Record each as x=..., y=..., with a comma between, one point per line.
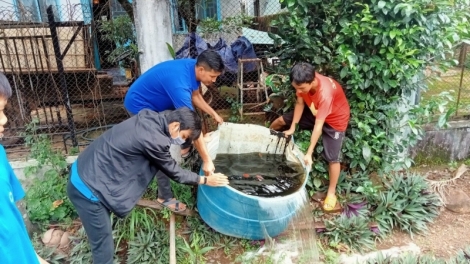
x=170, y=85
x=112, y=174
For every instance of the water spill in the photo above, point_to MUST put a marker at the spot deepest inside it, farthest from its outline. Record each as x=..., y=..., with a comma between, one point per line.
x=297, y=244
x=265, y=175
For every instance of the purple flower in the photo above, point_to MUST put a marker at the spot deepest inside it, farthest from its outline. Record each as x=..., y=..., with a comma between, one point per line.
x=320, y=230
x=375, y=229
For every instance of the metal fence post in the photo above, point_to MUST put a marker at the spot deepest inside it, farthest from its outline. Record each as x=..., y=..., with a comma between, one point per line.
x=463, y=53
x=60, y=69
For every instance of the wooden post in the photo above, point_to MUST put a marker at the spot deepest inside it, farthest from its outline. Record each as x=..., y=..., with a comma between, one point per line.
x=153, y=26
x=156, y=206
x=172, y=239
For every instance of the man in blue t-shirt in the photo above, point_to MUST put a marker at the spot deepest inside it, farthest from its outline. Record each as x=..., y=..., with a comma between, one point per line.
x=170, y=85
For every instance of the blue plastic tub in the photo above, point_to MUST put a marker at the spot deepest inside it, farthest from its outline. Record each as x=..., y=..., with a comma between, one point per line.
x=236, y=214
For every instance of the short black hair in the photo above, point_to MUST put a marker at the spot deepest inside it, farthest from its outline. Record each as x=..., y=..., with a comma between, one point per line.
x=187, y=118
x=210, y=60
x=5, y=88
x=302, y=72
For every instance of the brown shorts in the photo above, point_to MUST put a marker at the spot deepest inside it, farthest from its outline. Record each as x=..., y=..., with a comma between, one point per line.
x=332, y=138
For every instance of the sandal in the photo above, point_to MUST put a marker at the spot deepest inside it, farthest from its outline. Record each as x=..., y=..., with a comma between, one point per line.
x=168, y=202
x=330, y=203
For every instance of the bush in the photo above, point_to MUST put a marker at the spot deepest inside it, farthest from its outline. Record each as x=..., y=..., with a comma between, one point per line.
x=46, y=198
x=378, y=50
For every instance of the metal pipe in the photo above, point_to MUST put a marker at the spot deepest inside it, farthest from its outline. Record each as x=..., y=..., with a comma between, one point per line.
x=463, y=50
x=60, y=69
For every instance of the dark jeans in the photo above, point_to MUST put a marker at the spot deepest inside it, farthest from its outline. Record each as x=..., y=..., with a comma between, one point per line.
x=97, y=223
x=163, y=182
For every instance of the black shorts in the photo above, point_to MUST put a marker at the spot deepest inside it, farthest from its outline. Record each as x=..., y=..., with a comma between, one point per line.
x=332, y=138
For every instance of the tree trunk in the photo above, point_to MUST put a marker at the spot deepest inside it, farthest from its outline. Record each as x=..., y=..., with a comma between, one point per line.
x=153, y=29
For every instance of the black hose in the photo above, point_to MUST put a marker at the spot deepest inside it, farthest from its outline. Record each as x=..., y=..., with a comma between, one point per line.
x=83, y=134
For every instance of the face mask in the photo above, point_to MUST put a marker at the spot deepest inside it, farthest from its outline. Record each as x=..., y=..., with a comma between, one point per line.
x=178, y=140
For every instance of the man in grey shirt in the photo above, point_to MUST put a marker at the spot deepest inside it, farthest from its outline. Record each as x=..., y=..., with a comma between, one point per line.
x=112, y=174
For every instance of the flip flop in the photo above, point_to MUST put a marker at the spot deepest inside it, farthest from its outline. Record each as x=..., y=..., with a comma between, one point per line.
x=330, y=203
x=172, y=201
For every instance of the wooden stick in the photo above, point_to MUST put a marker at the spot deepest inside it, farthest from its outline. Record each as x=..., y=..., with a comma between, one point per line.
x=172, y=239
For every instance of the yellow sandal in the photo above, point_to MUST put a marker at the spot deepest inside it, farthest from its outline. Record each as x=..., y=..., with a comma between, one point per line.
x=330, y=203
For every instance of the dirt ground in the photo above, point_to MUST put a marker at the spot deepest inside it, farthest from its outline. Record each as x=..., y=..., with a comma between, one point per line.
x=450, y=231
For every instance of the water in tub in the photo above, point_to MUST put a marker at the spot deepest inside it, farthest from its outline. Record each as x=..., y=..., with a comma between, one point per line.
x=264, y=175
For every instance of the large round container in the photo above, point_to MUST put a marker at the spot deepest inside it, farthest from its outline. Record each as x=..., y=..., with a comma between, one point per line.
x=236, y=214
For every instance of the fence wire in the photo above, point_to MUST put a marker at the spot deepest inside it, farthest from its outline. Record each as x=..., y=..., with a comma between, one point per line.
x=454, y=81
x=239, y=31
x=70, y=65
x=56, y=61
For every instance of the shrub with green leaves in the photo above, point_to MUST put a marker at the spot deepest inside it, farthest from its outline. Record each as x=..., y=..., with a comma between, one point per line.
x=121, y=33
x=46, y=199
x=406, y=203
x=379, y=51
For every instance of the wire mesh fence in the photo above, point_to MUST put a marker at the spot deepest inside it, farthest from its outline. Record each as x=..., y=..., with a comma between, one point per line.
x=454, y=81
x=239, y=31
x=70, y=65
x=57, y=62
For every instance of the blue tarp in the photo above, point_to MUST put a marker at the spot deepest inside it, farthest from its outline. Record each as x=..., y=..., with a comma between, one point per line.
x=239, y=49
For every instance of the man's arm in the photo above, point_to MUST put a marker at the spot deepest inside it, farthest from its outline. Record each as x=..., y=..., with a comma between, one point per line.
x=324, y=109
x=298, y=109
x=200, y=103
x=316, y=133
x=208, y=166
x=202, y=149
x=160, y=157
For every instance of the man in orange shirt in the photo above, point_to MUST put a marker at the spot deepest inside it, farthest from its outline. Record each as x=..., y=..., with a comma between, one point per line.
x=327, y=114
